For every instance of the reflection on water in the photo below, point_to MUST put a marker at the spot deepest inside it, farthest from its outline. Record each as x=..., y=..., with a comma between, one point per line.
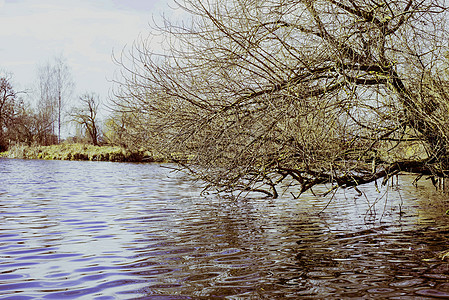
x=136, y=231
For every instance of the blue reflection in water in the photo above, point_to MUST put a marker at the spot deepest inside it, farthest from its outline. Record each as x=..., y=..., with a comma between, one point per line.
x=99, y=230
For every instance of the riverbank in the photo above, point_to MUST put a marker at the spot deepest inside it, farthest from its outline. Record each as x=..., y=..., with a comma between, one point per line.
x=81, y=152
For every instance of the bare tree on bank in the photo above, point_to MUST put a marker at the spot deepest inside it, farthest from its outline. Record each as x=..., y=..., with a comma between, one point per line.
x=55, y=86
x=120, y=129
x=85, y=115
x=8, y=97
x=262, y=94
x=18, y=122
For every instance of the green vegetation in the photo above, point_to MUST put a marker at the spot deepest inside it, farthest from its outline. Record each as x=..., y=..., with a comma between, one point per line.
x=81, y=152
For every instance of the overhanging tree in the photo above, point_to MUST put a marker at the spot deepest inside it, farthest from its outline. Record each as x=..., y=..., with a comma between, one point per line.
x=260, y=94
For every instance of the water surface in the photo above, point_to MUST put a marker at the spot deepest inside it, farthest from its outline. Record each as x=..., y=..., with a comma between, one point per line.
x=99, y=230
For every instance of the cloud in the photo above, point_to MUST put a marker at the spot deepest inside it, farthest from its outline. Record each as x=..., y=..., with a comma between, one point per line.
x=85, y=32
x=73, y=27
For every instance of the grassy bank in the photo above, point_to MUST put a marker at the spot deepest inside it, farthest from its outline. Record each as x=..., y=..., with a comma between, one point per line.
x=81, y=152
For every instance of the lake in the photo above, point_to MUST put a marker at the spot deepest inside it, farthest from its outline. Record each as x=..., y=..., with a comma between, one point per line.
x=100, y=230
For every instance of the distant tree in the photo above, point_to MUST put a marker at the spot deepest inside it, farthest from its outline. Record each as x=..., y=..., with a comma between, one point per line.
x=23, y=127
x=126, y=129
x=115, y=129
x=55, y=86
x=36, y=128
x=262, y=94
x=19, y=123
x=85, y=115
x=8, y=97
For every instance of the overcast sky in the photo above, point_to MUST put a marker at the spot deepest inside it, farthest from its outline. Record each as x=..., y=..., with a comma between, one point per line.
x=85, y=32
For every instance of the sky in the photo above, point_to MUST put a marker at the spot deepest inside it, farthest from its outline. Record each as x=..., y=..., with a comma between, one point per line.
x=84, y=32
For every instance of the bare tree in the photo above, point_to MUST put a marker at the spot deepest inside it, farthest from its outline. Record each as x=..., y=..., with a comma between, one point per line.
x=117, y=129
x=46, y=105
x=86, y=116
x=17, y=120
x=7, y=104
x=267, y=93
x=55, y=87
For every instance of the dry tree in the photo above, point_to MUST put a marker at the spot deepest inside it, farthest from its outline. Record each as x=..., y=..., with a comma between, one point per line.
x=261, y=94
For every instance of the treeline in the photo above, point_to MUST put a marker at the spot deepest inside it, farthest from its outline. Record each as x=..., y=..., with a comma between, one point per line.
x=37, y=116
x=19, y=123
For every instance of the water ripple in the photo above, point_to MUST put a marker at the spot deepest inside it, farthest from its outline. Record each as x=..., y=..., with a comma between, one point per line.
x=88, y=230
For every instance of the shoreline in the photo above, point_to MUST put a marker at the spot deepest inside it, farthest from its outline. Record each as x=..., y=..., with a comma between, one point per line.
x=82, y=152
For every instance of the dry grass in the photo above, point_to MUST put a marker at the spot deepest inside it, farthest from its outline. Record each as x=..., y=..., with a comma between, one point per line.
x=81, y=152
